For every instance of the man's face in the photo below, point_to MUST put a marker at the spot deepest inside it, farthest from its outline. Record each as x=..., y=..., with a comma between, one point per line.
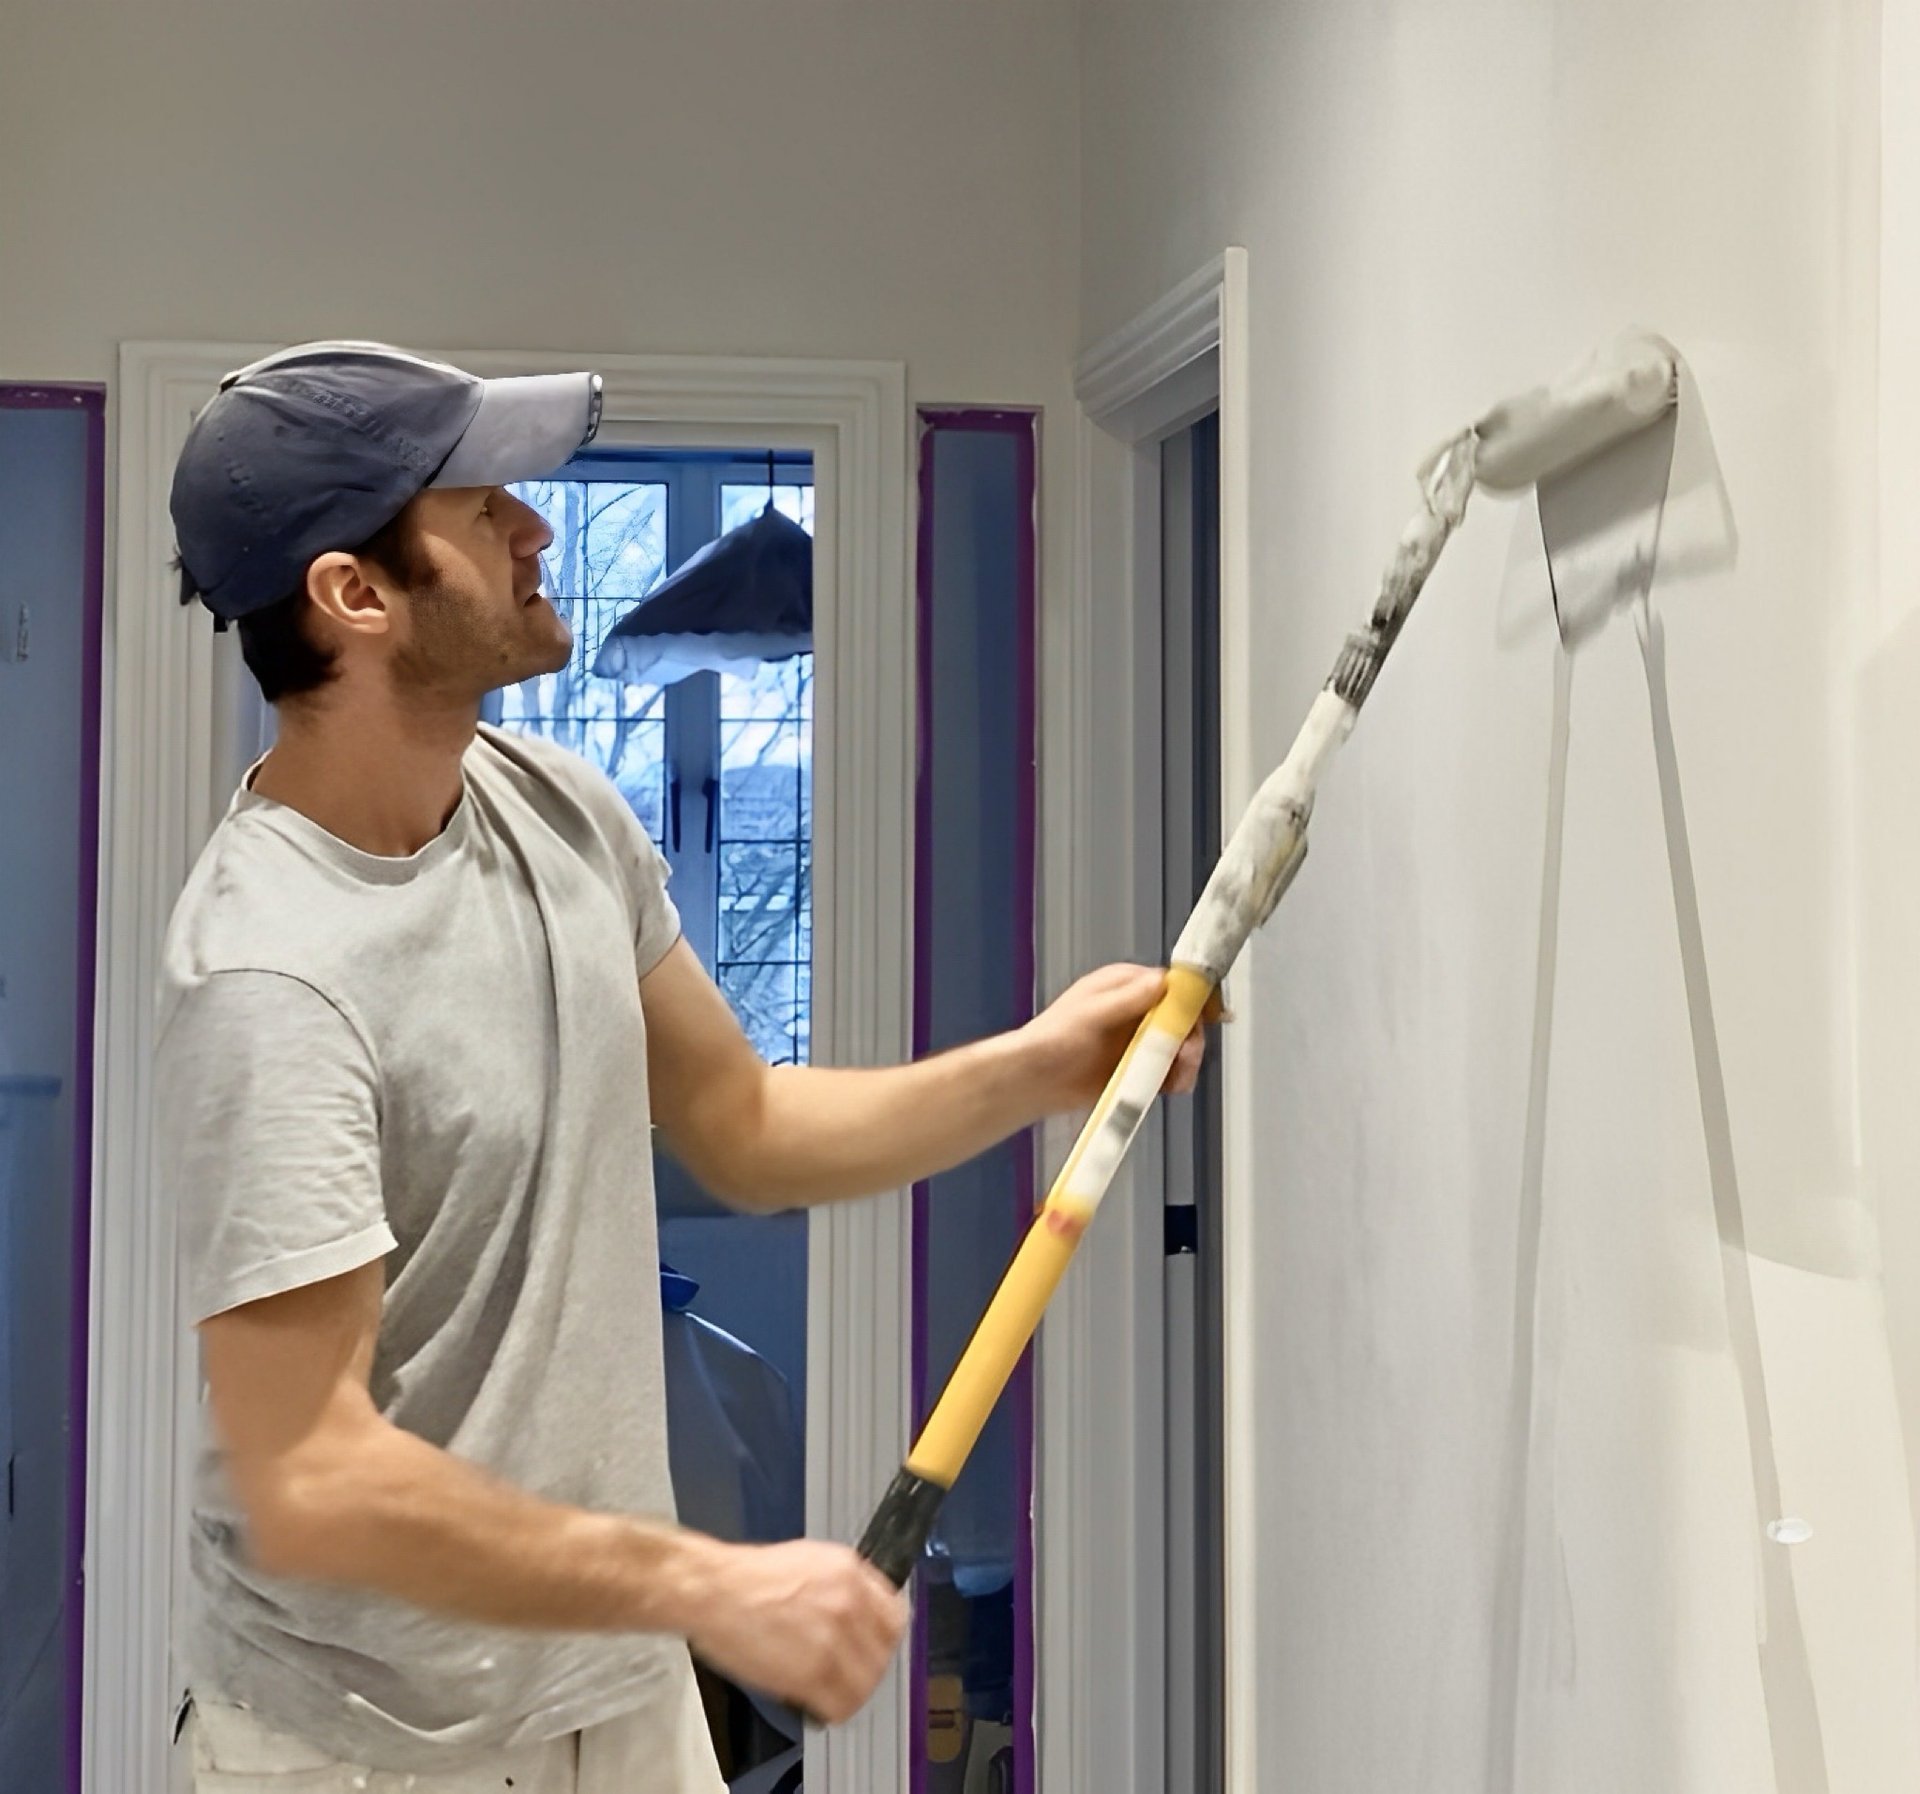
x=480, y=621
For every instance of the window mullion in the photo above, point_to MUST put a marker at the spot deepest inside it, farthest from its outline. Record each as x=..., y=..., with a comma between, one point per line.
x=692, y=735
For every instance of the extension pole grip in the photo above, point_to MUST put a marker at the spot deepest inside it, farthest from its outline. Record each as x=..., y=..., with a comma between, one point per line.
x=897, y=1535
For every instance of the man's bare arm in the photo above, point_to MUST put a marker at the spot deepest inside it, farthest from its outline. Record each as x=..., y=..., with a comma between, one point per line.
x=768, y=1137
x=334, y=1493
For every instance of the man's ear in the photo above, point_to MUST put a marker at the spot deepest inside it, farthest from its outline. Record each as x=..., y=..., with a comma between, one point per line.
x=339, y=584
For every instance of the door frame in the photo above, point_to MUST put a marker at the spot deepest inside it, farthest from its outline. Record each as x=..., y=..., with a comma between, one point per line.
x=1102, y=1606
x=169, y=739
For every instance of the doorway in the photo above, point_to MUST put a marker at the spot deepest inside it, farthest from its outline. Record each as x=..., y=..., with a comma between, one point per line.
x=1145, y=1510
x=1190, y=1133
x=174, y=747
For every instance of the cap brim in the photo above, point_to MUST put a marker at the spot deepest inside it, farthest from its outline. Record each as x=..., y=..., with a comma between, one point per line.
x=525, y=428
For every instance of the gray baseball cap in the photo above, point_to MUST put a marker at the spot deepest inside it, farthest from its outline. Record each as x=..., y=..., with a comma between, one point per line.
x=316, y=448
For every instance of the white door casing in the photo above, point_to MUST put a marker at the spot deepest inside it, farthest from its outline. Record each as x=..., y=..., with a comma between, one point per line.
x=1101, y=1606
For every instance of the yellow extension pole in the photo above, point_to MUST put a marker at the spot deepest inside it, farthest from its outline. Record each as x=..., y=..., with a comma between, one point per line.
x=898, y=1532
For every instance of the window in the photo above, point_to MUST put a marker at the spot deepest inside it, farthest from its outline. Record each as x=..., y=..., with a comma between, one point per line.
x=718, y=768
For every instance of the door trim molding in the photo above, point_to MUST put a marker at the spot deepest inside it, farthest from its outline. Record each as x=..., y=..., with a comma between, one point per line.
x=1134, y=383
x=1100, y=1512
x=162, y=751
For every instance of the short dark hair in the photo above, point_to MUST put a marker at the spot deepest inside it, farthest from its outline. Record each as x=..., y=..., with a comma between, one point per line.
x=277, y=641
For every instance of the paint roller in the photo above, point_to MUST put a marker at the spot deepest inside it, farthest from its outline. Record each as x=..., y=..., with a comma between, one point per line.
x=1617, y=393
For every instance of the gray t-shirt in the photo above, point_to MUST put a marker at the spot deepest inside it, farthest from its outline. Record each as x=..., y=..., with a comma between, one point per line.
x=439, y=1061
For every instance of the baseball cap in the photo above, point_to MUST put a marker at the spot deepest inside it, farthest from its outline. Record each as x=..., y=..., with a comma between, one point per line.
x=317, y=447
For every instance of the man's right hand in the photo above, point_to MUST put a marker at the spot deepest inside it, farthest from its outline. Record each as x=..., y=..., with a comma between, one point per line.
x=815, y=1625
x=335, y=1493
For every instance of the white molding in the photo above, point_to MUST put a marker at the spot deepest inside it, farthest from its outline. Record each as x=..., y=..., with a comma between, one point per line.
x=1100, y=1349
x=1239, y=775
x=165, y=788
x=1124, y=381
x=156, y=810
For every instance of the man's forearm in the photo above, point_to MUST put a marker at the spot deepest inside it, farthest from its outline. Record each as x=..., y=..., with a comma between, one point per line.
x=400, y=1517
x=818, y=1134
x=770, y=1138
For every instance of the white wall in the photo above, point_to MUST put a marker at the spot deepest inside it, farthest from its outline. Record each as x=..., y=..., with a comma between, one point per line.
x=1443, y=201
x=730, y=176
x=1879, y=681
x=888, y=179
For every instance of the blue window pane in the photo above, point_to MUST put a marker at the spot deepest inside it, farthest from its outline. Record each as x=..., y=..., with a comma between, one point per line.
x=762, y=892
x=760, y=781
x=609, y=536
x=776, y=689
x=766, y=998
x=640, y=701
x=626, y=550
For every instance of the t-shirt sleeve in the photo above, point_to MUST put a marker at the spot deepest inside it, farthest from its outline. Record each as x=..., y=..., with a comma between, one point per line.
x=642, y=866
x=656, y=919
x=268, y=1133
